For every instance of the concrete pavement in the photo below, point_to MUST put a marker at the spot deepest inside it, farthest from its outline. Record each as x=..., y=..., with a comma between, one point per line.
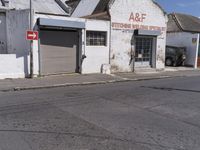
x=77, y=79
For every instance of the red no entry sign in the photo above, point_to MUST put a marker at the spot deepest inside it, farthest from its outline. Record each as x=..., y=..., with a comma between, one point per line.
x=32, y=35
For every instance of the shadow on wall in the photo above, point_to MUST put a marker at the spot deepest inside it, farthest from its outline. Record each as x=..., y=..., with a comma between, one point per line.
x=26, y=64
x=58, y=38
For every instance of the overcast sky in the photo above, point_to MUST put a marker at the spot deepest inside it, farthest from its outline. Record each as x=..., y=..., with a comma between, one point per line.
x=183, y=6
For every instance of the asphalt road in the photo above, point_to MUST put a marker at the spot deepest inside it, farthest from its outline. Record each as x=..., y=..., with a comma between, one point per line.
x=145, y=115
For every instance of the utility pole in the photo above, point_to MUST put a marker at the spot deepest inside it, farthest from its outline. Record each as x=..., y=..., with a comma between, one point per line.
x=31, y=41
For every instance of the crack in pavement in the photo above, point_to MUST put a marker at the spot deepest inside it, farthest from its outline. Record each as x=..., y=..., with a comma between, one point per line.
x=171, y=89
x=92, y=136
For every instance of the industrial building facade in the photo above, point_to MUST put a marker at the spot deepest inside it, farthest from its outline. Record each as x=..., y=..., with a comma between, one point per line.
x=103, y=37
x=138, y=31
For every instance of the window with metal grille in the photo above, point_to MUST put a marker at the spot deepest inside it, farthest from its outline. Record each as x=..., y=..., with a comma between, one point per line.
x=96, y=38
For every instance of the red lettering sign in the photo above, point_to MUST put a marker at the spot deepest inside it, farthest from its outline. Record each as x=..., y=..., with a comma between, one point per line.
x=125, y=26
x=137, y=17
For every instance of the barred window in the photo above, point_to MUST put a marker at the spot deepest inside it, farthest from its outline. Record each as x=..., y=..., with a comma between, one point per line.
x=96, y=38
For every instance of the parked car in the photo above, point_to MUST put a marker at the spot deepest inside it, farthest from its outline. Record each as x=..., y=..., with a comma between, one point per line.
x=175, y=56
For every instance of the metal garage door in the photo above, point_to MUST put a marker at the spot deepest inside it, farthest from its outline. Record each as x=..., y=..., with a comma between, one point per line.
x=58, y=51
x=2, y=33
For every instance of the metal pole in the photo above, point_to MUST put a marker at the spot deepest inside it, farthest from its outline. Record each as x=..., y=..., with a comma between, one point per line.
x=31, y=42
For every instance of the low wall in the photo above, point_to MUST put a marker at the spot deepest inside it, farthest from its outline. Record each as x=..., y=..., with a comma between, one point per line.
x=11, y=66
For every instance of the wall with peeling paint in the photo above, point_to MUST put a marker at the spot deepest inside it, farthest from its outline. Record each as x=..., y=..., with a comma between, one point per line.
x=188, y=40
x=151, y=17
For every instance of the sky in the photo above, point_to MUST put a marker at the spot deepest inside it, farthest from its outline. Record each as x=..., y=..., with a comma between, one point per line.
x=182, y=6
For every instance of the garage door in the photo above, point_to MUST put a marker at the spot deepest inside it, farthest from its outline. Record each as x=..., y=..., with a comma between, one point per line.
x=58, y=52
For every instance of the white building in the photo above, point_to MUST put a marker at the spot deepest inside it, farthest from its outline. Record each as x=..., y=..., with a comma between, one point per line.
x=183, y=31
x=100, y=36
x=138, y=31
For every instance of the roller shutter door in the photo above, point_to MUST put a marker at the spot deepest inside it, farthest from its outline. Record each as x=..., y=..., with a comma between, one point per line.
x=58, y=51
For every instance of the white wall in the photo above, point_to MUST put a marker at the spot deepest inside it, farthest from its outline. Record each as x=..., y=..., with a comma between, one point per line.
x=36, y=65
x=184, y=39
x=96, y=55
x=122, y=31
x=15, y=64
x=11, y=66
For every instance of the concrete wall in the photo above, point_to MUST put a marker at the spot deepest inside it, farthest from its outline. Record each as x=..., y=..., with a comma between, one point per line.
x=15, y=64
x=11, y=66
x=188, y=40
x=3, y=38
x=127, y=16
x=96, y=55
x=17, y=25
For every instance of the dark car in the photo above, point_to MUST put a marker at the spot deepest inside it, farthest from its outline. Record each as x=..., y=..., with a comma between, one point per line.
x=175, y=56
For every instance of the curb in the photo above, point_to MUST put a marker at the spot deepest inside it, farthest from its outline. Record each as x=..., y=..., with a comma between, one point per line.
x=85, y=83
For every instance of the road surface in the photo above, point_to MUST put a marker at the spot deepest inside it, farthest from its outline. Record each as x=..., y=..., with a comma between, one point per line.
x=145, y=115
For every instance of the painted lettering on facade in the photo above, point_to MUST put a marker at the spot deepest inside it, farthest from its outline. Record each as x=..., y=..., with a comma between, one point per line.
x=137, y=17
x=135, y=20
x=126, y=26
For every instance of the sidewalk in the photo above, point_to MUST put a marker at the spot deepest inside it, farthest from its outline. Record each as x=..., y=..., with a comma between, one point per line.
x=77, y=79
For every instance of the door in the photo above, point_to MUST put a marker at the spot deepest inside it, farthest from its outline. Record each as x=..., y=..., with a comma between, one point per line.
x=3, y=47
x=58, y=52
x=143, y=51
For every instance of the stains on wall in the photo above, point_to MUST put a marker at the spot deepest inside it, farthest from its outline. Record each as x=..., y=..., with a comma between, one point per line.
x=122, y=38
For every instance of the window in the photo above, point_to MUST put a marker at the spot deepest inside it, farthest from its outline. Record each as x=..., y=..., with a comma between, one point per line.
x=96, y=38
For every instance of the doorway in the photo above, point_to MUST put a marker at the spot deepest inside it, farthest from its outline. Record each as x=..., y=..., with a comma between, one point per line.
x=59, y=51
x=143, y=51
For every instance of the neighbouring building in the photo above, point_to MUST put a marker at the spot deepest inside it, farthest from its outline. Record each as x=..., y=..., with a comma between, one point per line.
x=137, y=31
x=85, y=36
x=183, y=31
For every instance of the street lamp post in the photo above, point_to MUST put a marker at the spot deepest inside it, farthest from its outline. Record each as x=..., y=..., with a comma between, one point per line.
x=31, y=41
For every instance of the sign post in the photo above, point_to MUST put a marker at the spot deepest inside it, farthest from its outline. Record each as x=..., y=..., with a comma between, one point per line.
x=31, y=41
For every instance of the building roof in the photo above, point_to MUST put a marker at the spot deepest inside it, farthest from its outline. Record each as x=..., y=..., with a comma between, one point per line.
x=72, y=4
x=40, y=6
x=101, y=8
x=183, y=23
x=1, y=2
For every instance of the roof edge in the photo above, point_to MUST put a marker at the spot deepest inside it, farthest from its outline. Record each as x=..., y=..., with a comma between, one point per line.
x=157, y=4
x=174, y=17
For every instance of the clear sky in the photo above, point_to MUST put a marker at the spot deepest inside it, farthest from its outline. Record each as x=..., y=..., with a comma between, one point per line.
x=183, y=6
